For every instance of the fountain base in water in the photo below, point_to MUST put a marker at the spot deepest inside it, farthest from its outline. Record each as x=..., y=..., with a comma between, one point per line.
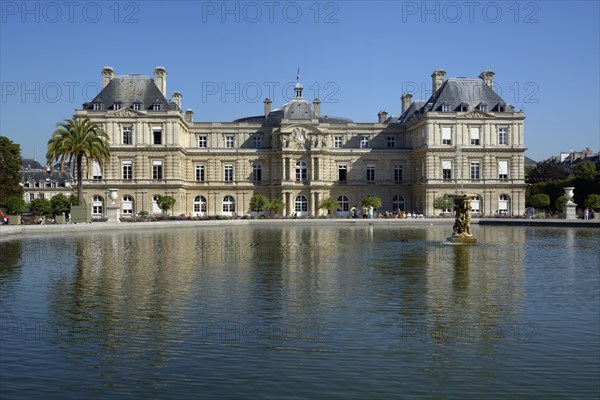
x=461, y=240
x=461, y=231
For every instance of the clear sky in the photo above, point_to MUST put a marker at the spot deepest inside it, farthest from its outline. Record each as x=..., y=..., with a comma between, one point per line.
x=357, y=57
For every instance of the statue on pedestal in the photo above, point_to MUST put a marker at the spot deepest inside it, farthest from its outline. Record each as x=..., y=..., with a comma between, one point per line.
x=461, y=231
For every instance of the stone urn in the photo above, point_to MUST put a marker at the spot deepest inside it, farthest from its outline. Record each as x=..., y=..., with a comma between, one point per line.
x=113, y=195
x=569, y=193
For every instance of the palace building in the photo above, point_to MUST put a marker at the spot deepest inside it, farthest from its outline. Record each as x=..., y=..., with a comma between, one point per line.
x=464, y=138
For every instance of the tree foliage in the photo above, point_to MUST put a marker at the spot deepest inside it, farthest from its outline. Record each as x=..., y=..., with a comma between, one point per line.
x=585, y=171
x=165, y=203
x=546, y=171
x=593, y=202
x=276, y=206
x=10, y=165
x=15, y=204
x=371, y=201
x=330, y=205
x=40, y=206
x=77, y=140
x=258, y=202
x=539, y=200
x=560, y=202
x=60, y=204
x=443, y=203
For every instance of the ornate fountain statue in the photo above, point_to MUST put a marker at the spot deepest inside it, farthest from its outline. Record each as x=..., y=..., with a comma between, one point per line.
x=461, y=231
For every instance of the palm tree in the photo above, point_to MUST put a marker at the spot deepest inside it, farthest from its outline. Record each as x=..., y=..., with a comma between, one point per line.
x=76, y=139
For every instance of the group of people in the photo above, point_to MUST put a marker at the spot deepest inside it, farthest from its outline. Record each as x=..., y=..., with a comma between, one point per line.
x=369, y=211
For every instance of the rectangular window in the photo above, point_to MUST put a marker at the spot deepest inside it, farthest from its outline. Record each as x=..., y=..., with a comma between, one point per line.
x=503, y=170
x=96, y=170
x=447, y=170
x=136, y=106
x=364, y=142
x=127, y=135
x=257, y=140
x=26, y=184
x=127, y=170
x=98, y=106
x=475, y=171
x=117, y=106
x=229, y=142
x=157, y=135
x=342, y=172
x=502, y=136
x=447, y=136
x=337, y=142
x=31, y=196
x=199, y=173
x=475, y=136
x=445, y=108
x=48, y=184
x=228, y=173
x=391, y=142
x=398, y=173
x=156, y=107
x=202, y=143
x=257, y=173
x=157, y=170
x=41, y=196
x=370, y=173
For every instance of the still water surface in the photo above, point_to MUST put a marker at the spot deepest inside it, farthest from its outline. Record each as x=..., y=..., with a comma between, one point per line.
x=336, y=311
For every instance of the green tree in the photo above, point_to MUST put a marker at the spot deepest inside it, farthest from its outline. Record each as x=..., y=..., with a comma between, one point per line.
x=15, y=204
x=276, y=206
x=540, y=200
x=443, y=203
x=40, y=206
x=60, y=204
x=258, y=202
x=371, y=201
x=585, y=171
x=593, y=202
x=76, y=140
x=165, y=203
x=330, y=205
x=546, y=171
x=10, y=165
x=560, y=202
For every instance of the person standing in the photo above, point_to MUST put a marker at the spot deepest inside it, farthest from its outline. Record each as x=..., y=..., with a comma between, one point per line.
x=586, y=214
x=370, y=212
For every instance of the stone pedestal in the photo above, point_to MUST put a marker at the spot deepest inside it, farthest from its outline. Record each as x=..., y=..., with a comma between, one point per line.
x=113, y=214
x=569, y=210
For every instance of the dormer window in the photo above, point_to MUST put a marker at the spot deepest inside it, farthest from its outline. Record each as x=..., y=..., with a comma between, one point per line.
x=97, y=106
x=464, y=107
x=483, y=107
x=445, y=108
x=156, y=107
x=136, y=106
x=501, y=108
x=117, y=106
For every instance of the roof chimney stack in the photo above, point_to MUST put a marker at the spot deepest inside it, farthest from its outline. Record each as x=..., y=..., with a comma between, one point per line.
x=437, y=80
x=488, y=77
x=160, y=79
x=406, y=101
x=177, y=99
x=267, y=104
x=382, y=116
x=107, y=75
x=317, y=106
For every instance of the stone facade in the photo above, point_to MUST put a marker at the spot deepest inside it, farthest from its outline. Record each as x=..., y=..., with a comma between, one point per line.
x=463, y=139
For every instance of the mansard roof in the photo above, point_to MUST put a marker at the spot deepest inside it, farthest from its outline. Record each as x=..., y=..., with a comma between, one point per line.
x=295, y=109
x=32, y=170
x=131, y=89
x=472, y=92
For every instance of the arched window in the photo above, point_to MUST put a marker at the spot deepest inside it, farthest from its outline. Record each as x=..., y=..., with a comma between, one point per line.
x=344, y=204
x=398, y=203
x=155, y=208
x=301, y=171
x=476, y=204
x=199, y=206
x=301, y=205
x=228, y=205
x=503, y=204
x=127, y=205
x=97, y=205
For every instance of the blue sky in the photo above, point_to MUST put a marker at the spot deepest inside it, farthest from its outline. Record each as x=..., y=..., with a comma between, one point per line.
x=357, y=57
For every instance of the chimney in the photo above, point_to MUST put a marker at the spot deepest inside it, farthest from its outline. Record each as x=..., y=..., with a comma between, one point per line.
x=160, y=79
x=488, y=77
x=317, y=106
x=177, y=99
x=267, y=104
x=437, y=79
x=189, y=115
x=107, y=75
x=406, y=101
x=382, y=115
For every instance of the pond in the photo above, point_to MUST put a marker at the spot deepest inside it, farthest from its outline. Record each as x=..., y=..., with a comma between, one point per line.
x=323, y=311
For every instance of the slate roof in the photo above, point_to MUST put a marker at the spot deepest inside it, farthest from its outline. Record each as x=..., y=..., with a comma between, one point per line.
x=295, y=109
x=32, y=170
x=130, y=89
